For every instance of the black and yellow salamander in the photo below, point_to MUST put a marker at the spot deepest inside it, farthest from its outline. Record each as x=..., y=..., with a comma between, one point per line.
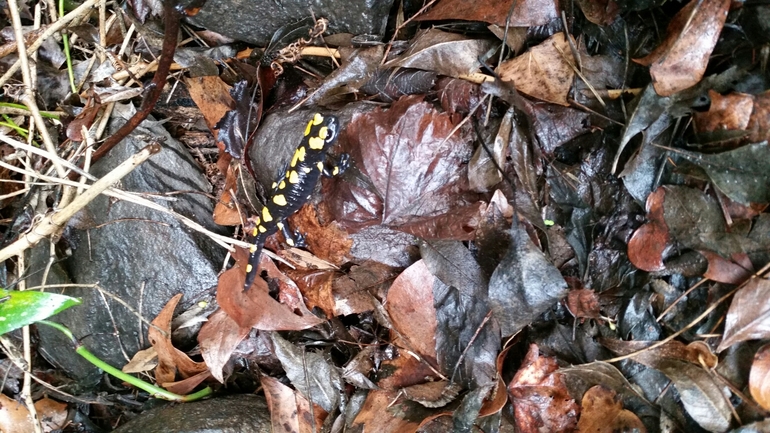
x=294, y=186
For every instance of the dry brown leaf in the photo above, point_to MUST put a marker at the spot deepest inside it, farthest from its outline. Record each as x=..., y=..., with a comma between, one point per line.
x=14, y=416
x=749, y=315
x=540, y=398
x=681, y=60
x=759, y=378
x=602, y=412
x=256, y=308
x=218, y=338
x=410, y=307
x=542, y=72
x=143, y=360
x=289, y=411
x=212, y=96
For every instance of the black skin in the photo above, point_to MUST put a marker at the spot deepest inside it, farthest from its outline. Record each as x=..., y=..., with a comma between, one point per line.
x=294, y=186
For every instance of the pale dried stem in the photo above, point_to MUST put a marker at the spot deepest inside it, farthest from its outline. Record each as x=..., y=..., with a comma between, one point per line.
x=50, y=31
x=50, y=224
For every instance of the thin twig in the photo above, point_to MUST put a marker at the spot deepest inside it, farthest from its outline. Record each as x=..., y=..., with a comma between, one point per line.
x=55, y=221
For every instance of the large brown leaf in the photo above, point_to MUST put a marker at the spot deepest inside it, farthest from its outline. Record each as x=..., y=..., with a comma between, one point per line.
x=749, y=315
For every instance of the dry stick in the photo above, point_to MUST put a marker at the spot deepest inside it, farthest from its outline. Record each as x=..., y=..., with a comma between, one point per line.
x=171, y=18
x=49, y=31
x=53, y=222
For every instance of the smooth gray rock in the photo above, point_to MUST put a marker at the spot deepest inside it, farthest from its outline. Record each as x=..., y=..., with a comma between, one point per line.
x=246, y=413
x=143, y=256
x=256, y=21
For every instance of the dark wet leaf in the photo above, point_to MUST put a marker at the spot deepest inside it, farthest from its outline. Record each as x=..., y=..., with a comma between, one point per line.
x=524, y=285
x=749, y=315
x=444, y=53
x=600, y=373
x=741, y=173
x=310, y=373
x=414, y=167
x=461, y=312
x=525, y=13
x=239, y=121
x=601, y=12
x=703, y=397
x=391, y=84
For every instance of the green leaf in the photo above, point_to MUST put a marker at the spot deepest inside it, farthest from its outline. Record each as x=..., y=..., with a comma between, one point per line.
x=22, y=308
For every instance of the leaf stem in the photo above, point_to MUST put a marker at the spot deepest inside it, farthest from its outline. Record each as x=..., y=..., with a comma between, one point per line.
x=155, y=391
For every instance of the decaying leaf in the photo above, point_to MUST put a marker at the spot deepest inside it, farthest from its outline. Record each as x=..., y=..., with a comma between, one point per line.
x=540, y=398
x=759, y=385
x=602, y=412
x=525, y=13
x=749, y=315
x=543, y=72
x=681, y=60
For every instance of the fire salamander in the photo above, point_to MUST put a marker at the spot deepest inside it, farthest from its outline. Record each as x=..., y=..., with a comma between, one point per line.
x=294, y=186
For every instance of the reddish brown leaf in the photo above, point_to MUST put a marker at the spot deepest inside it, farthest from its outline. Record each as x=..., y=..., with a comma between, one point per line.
x=84, y=119
x=543, y=72
x=356, y=291
x=218, y=338
x=291, y=412
x=225, y=211
x=602, y=412
x=749, y=315
x=410, y=307
x=413, y=160
x=256, y=308
x=601, y=12
x=328, y=242
x=646, y=247
x=540, y=399
x=316, y=287
x=583, y=303
x=734, y=271
x=759, y=125
x=212, y=96
x=759, y=378
x=526, y=12
x=697, y=352
x=680, y=61
x=384, y=412
x=731, y=112
x=170, y=359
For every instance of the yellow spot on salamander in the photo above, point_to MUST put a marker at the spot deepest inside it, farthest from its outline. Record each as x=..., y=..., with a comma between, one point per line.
x=290, y=242
x=307, y=169
x=253, y=249
x=254, y=232
x=316, y=143
x=293, y=177
x=279, y=199
x=323, y=132
x=307, y=128
x=262, y=229
x=266, y=214
x=279, y=225
x=318, y=119
x=248, y=268
x=320, y=166
x=336, y=171
x=282, y=185
x=274, y=185
x=299, y=156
